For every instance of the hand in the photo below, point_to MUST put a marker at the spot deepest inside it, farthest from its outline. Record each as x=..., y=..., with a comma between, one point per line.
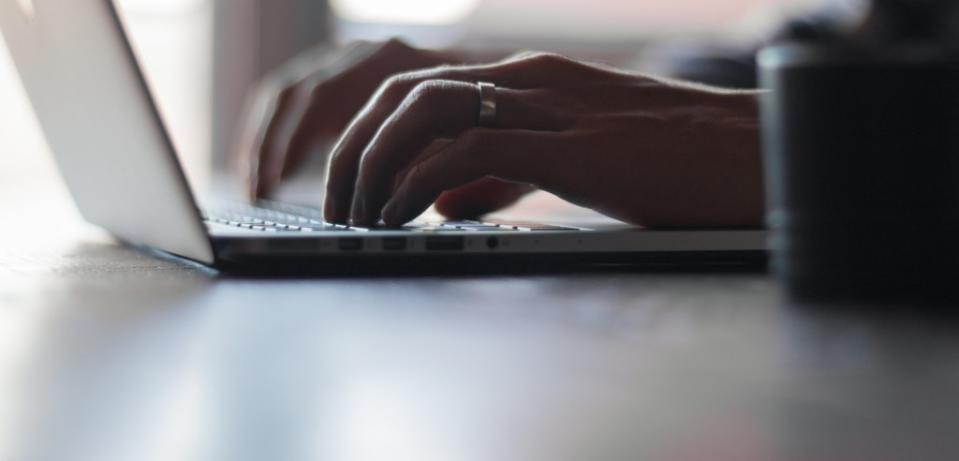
x=309, y=102
x=639, y=149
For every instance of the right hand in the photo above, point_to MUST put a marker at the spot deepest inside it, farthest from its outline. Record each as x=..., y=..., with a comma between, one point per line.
x=308, y=103
x=647, y=151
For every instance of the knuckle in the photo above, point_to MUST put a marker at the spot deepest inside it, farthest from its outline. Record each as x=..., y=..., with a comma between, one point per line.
x=334, y=165
x=522, y=54
x=432, y=85
x=427, y=89
x=395, y=86
x=276, y=79
x=546, y=58
x=428, y=93
x=289, y=95
x=319, y=91
x=286, y=94
x=394, y=44
x=393, y=81
x=400, y=86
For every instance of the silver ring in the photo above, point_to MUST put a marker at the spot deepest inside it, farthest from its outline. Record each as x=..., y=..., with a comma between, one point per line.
x=487, y=107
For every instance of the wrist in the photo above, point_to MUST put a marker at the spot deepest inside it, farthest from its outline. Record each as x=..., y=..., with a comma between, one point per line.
x=744, y=104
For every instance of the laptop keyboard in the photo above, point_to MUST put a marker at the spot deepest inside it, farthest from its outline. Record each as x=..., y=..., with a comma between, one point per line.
x=275, y=217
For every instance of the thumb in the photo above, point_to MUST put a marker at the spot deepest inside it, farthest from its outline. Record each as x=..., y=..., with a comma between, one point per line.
x=480, y=197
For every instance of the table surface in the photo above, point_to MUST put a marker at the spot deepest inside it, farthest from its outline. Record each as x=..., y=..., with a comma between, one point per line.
x=110, y=354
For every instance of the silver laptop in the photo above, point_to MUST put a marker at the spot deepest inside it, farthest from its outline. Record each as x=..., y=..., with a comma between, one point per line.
x=116, y=157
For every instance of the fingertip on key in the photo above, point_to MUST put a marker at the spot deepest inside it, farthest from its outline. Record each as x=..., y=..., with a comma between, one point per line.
x=390, y=214
x=260, y=191
x=329, y=210
x=358, y=212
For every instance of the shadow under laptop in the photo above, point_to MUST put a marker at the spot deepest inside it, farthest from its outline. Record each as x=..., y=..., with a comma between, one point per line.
x=461, y=265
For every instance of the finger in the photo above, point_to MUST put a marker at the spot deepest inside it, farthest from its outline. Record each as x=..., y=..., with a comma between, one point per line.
x=480, y=197
x=303, y=138
x=435, y=108
x=246, y=145
x=513, y=155
x=339, y=92
x=527, y=72
x=471, y=200
x=289, y=108
x=262, y=139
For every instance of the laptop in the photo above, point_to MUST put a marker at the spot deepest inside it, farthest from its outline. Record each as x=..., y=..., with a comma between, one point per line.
x=114, y=153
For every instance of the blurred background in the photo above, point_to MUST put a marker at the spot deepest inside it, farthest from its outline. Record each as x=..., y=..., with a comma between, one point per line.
x=203, y=56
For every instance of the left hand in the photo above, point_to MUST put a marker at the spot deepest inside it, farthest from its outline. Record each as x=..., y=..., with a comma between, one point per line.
x=307, y=103
x=639, y=149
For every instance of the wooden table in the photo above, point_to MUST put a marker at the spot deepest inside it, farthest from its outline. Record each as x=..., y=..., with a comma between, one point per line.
x=111, y=354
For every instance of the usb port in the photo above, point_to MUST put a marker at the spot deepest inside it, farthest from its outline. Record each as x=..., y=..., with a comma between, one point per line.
x=351, y=244
x=445, y=243
x=394, y=243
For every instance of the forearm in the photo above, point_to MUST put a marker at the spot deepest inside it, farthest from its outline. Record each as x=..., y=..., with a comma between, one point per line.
x=743, y=181
x=698, y=148
x=683, y=158
x=728, y=142
x=458, y=56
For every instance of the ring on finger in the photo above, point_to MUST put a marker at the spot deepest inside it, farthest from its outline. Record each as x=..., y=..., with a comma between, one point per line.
x=487, y=106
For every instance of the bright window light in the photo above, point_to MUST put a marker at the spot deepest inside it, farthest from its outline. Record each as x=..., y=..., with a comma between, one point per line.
x=160, y=6
x=424, y=12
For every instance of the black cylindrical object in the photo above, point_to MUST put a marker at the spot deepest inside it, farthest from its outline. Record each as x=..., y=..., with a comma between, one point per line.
x=861, y=150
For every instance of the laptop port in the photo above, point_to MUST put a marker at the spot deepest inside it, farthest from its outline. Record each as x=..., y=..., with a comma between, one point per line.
x=394, y=243
x=351, y=244
x=445, y=243
x=492, y=243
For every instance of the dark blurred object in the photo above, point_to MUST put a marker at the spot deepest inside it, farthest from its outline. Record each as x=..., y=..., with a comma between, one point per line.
x=735, y=67
x=723, y=67
x=923, y=21
x=895, y=21
x=861, y=137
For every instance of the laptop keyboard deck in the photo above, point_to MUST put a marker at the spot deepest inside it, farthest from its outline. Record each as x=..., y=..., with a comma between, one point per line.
x=267, y=216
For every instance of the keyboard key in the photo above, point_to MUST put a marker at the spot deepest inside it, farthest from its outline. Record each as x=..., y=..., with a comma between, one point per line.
x=274, y=217
x=529, y=226
x=437, y=229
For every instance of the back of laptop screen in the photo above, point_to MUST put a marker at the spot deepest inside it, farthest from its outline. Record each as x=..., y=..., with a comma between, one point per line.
x=101, y=124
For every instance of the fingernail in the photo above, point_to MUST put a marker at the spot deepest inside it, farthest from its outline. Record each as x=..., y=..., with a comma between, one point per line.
x=390, y=212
